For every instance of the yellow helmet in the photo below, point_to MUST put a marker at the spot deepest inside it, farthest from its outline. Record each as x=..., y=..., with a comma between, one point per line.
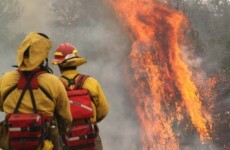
x=33, y=51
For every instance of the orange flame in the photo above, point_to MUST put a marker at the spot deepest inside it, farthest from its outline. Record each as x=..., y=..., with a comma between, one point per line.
x=164, y=87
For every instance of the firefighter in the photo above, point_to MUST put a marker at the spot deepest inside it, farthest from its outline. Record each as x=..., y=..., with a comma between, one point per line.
x=67, y=58
x=47, y=99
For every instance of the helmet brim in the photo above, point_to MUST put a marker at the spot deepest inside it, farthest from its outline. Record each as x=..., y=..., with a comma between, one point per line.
x=77, y=61
x=57, y=61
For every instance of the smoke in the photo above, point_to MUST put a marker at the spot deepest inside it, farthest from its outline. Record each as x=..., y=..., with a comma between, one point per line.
x=212, y=89
x=99, y=37
x=35, y=16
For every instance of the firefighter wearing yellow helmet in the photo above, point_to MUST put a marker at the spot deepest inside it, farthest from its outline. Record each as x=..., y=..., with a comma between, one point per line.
x=67, y=58
x=34, y=100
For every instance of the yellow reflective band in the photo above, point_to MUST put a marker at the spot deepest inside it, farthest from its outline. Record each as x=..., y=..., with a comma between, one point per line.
x=58, y=54
x=75, y=51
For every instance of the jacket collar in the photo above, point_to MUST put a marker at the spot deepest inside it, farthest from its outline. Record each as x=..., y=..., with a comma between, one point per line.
x=69, y=72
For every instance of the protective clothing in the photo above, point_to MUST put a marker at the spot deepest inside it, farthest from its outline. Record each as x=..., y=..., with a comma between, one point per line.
x=99, y=103
x=66, y=55
x=39, y=48
x=53, y=102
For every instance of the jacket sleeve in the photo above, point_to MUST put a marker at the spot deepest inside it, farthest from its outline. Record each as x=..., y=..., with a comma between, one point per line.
x=62, y=110
x=102, y=106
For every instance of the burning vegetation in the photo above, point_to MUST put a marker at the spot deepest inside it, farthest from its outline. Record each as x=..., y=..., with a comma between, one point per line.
x=174, y=101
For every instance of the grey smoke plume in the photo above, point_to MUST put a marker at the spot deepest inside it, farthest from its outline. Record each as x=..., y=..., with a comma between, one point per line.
x=99, y=37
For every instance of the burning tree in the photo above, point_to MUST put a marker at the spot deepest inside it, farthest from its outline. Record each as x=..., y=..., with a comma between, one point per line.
x=171, y=106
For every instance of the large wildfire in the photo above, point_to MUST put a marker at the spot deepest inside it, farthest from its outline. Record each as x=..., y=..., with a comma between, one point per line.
x=169, y=103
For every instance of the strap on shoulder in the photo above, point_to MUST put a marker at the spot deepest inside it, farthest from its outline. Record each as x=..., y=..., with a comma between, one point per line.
x=22, y=83
x=45, y=92
x=29, y=84
x=80, y=81
x=26, y=87
x=25, y=75
x=70, y=81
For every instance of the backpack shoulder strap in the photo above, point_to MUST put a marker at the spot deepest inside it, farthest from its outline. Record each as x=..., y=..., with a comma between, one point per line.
x=33, y=82
x=80, y=81
x=25, y=88
x=70, y=81
x=45, y=92
x=22, y=82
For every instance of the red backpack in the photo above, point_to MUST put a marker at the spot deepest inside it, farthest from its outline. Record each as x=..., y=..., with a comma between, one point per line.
x=26, y=131
x=83, y=132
